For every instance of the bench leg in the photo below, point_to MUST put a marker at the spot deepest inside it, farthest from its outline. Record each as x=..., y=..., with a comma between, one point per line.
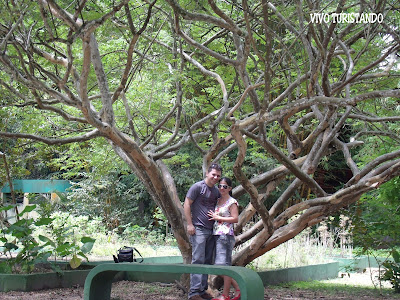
x=100, y=286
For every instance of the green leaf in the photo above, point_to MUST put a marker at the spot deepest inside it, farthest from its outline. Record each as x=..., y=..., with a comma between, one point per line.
x=47, y=240
x=396, y=256
x=42, y=258
x=88, y=243
x=83, y=255
x=44, y=221
x=87, y=239
x=27, y=209
x=64, y=249
x=5, y=208
x=10, y=246
x=87, y=247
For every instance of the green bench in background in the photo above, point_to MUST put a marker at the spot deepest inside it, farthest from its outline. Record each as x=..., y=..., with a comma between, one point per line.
x=99, y=280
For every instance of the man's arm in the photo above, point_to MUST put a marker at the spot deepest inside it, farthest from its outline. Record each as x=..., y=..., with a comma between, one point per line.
x=188, y=215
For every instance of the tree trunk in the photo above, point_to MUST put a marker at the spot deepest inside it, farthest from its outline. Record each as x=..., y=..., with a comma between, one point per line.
x=161, y=187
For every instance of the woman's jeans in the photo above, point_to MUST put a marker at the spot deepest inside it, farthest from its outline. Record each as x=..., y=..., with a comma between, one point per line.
x=202, y=253
x=223, y=249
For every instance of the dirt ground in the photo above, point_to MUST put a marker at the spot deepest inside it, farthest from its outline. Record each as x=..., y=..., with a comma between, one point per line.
x=125, y=290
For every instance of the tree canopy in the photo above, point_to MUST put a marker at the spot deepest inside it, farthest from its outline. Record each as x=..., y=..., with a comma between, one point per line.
x=243, y=82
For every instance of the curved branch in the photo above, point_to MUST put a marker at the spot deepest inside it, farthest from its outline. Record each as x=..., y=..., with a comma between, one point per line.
x=315, y=211
x=205, y=18
x=241, y=100
x=373, y=164
x=306, y=103
x=53, y=141
x=374, y=119
x=248, y=186
x=288, y=163
x=377, y=133
x=347, y=156
x=393, y=49
x=131, y=48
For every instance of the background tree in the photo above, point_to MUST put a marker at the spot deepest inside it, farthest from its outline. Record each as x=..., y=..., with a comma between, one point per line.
x=231, y=79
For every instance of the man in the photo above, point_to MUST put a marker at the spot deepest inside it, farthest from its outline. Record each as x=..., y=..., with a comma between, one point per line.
x=200, y=199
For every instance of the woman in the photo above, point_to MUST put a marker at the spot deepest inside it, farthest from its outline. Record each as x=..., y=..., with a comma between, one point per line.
x=225, y=215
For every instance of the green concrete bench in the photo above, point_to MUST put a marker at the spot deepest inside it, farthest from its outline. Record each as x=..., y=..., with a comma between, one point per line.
x=99, y=280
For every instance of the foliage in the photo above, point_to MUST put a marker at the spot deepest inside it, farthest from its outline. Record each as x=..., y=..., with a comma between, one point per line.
x=119, y=199
x=93, y=159
x=374, y=234
x=78, y=223
x=18, y=236
x=372, y=227
x=63, y=239
x=392, y=272
x=140, y=235
x=25, y=250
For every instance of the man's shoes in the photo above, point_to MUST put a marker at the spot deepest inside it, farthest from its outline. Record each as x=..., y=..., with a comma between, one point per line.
x=196, y=297
x=206, y=296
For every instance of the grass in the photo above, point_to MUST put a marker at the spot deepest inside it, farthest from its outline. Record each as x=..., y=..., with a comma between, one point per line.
x=330, y=288
x=303, y=250
x=146, y=250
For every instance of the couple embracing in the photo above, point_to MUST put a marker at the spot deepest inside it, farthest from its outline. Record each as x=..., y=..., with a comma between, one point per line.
x=210, y=213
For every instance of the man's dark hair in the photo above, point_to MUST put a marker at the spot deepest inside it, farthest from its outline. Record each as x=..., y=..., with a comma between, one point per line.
x=215, y=166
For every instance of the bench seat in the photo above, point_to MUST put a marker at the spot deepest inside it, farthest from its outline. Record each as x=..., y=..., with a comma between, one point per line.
x=99, y=280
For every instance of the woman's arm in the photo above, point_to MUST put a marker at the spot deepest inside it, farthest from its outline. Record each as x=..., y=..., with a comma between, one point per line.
x=234, y=211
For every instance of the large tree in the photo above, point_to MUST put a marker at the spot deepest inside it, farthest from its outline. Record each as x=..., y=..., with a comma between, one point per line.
x=229, y=77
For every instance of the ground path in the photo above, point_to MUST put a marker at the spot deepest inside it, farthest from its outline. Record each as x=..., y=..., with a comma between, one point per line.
x=126, y=290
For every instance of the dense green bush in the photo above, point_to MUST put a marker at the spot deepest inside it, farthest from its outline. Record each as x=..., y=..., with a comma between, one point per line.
x=372, y=227
x=392, y=271
x=118, y=199
x=30, y=241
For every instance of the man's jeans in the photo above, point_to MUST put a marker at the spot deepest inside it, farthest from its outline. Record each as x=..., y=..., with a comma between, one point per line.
x=203, y=245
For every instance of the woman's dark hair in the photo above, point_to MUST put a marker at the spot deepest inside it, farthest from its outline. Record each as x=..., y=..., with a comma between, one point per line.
x=228, y=181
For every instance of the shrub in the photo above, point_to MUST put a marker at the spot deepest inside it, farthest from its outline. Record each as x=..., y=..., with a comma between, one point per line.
x=25, y=246
x=392, y=271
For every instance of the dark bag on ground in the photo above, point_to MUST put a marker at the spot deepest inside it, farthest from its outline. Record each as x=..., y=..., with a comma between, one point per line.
x=126, y=254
